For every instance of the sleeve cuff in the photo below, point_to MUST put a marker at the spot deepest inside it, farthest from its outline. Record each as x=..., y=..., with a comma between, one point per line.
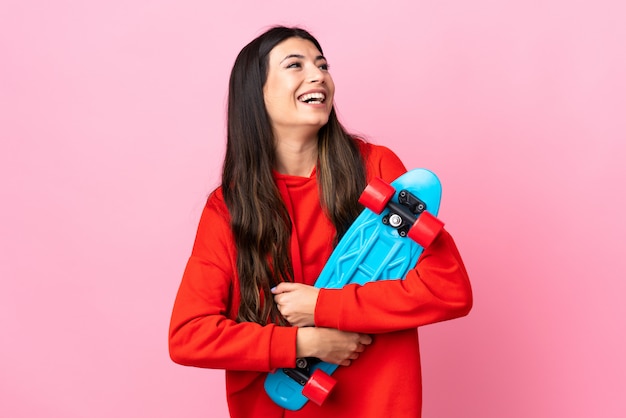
x=283, y=347
x=328, y=308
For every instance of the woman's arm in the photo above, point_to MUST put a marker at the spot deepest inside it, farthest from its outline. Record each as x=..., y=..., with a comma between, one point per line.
x=437, y=289
x=203, y=332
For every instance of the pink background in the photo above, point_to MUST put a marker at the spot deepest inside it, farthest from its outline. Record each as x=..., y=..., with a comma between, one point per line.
x=112, y=134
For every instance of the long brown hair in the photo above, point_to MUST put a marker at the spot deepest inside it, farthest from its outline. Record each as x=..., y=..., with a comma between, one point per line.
x=259, y=219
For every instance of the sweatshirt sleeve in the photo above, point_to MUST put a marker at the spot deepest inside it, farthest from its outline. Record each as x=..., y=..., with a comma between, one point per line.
x=437, y=289
x=203, y=332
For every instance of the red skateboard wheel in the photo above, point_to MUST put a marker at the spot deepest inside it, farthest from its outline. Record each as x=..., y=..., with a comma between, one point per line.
x=425, y=229
x=318, y=387
x=376, y=195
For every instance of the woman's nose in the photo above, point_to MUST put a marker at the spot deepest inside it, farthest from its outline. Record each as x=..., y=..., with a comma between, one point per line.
x=316, y=75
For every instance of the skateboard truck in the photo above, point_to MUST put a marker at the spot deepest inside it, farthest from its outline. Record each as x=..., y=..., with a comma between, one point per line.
x=302, y=372
x=402, y=215
x=317, y=385
x=409, y=216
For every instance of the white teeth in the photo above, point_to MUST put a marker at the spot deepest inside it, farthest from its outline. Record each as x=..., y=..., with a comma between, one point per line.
x=315, y=98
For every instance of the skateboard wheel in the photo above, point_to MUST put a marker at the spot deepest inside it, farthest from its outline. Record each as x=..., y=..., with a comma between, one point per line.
x=425, y=229
x=318, y=387
x=376, y=195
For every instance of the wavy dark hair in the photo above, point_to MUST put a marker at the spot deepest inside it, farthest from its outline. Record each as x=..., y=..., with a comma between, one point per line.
x=259, y=219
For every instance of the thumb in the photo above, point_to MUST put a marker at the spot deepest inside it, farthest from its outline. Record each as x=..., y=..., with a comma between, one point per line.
x=284, y=288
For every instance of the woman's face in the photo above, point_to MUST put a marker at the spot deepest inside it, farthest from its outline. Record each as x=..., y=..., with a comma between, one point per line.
x=299, y=89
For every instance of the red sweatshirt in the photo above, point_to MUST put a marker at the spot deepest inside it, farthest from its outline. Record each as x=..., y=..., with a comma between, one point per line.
x=384, y=381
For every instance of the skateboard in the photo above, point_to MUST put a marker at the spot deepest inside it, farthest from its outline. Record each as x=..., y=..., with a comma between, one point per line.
x=384, y=242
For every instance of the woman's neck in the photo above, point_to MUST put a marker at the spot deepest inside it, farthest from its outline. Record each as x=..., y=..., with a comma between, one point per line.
x=296, y=157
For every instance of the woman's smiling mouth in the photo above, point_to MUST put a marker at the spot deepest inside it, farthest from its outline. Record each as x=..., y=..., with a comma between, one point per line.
x=313, y=98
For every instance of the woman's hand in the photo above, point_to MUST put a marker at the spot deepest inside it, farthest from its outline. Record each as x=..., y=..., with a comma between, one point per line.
x=296, y=303
x=331, y=345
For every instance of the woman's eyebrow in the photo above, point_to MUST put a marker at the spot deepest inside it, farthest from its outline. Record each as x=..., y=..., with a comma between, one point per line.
x=299, y=56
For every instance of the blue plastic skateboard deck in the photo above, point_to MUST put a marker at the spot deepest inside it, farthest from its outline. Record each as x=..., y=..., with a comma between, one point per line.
x=372, y=249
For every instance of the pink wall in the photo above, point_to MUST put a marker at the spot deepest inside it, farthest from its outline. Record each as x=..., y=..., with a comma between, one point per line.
x=112, y=132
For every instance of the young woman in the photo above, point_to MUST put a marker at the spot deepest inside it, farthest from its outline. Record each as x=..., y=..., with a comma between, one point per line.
x=291, y=180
